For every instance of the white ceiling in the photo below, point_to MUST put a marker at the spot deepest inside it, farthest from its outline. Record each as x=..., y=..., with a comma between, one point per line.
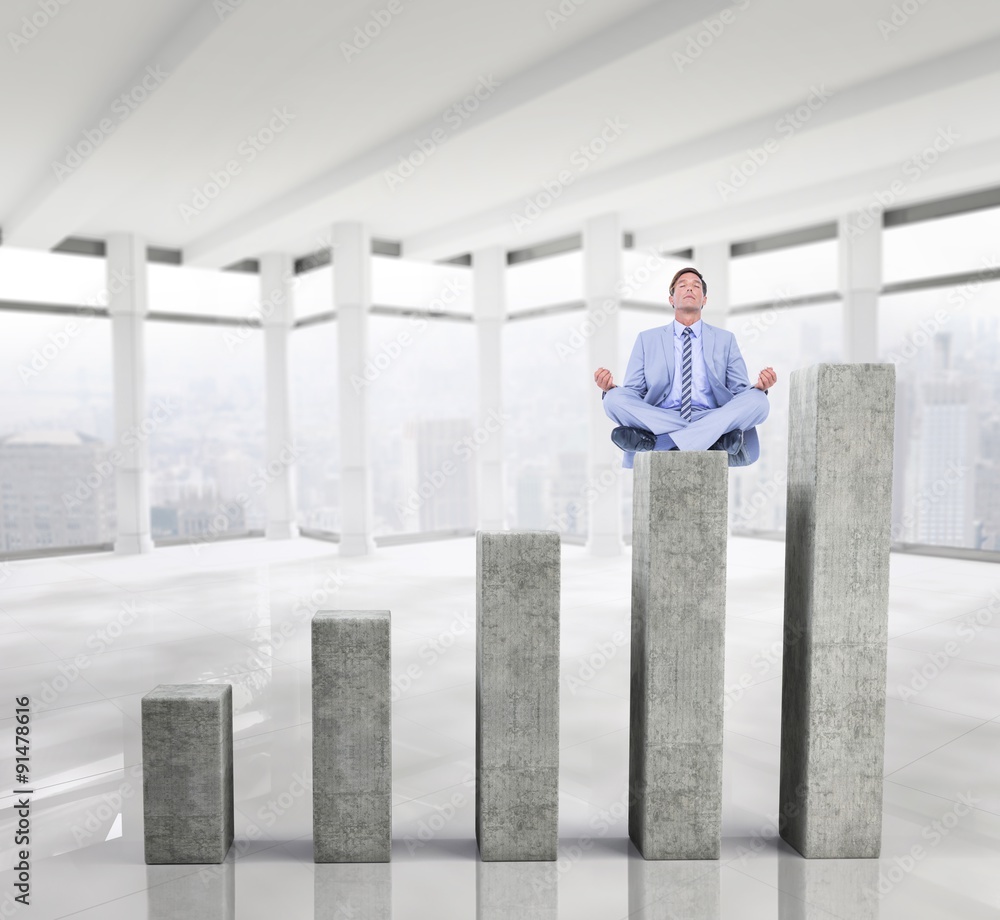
x=226, y=67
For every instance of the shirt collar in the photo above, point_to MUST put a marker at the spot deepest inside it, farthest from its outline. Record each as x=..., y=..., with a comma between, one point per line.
x=680, y=327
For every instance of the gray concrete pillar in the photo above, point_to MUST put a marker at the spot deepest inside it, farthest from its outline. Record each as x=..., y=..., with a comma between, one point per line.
x=352, y=736
x=187, y=773
x=840, y=436
x=517, y=695
x=679, y=532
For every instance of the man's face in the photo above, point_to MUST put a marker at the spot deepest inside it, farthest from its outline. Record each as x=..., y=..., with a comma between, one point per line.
x=688, y=293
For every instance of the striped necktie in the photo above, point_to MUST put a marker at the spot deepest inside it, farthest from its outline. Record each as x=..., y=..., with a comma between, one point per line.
x=686, y=335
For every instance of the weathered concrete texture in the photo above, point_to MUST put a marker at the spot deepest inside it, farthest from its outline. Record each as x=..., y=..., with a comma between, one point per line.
x=187, y=773
x=517, y=891
x=362, y=890
x=836, y=608
x=352, y=736
x=517, y=695
x=679, y=533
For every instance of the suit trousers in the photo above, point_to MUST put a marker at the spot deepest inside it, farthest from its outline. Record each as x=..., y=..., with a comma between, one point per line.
x=746, y=409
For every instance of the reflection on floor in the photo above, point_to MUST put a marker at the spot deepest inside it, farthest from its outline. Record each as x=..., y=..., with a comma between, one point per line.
x=87, y=636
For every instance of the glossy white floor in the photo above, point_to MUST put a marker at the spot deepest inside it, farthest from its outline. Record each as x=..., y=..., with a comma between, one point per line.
x=87, y=636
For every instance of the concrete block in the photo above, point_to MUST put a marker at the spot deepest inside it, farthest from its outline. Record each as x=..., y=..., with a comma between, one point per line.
x=187, y=773
x=352, y=736
x=517, y=694
x=840, y=439
x=679, y=534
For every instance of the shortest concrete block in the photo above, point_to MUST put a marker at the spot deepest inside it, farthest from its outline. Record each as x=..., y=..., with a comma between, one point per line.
x=187, y=773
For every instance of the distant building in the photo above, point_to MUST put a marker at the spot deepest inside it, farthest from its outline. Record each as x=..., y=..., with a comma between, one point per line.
x=57, y=488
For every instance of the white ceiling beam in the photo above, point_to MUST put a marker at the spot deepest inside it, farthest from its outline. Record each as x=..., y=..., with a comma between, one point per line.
x=965, y=169
x=311, y=204
x=900, y=86
x=77, y=184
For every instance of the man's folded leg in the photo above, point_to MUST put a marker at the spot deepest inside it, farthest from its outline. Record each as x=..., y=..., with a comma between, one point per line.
x=626, y=408
x=745, y=410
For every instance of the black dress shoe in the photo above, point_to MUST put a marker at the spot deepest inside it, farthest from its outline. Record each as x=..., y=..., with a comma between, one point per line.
x=732, y=443
x=633, y=438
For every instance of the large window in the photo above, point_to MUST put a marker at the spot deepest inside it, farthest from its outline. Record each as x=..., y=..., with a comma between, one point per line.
x=202, y=291
x=315, y=423
x=785, y=339
x=967, y=242
x=945, y=343
x=778, y=274
x=57, y=460
x=546, y=383
x=205, y=423
x=422, y=387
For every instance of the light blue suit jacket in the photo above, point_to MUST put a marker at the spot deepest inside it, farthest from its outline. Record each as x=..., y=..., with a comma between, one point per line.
x=650, y=370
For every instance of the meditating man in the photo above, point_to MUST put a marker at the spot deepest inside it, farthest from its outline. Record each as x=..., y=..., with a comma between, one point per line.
x=686, y=386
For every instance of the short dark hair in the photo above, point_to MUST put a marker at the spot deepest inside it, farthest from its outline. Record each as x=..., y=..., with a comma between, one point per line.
x=694, y=271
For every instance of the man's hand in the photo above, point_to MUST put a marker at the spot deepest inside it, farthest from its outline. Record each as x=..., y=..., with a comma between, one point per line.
x=603, y=378
x=766, y=378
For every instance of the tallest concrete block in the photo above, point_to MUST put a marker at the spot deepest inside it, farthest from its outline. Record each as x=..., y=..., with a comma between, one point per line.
x=840, y=437
x=679, y=533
